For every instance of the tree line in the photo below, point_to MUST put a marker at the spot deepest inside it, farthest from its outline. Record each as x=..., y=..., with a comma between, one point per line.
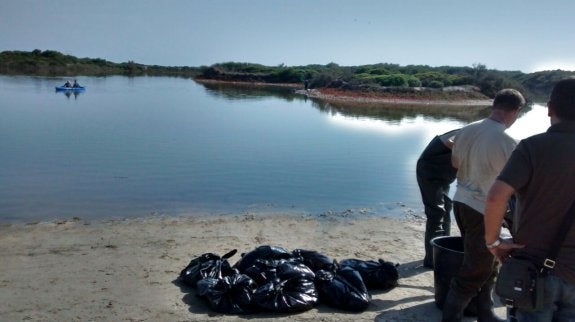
x=374, y=77
x=51, y=62
x=391, y=77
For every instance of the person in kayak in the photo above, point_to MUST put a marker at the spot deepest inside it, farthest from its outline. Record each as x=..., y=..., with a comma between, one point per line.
x=75, y=84
x=67, y=84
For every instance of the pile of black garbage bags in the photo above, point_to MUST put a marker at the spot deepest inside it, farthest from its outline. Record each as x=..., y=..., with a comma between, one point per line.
x=273, y=279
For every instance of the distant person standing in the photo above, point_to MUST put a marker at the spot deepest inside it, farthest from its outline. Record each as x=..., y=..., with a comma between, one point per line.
x=480, y=151
x=435, y=174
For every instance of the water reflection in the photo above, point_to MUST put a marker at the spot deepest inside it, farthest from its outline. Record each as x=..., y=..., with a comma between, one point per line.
x=533, y=120
x=387, y=112
x=168, y=145
x=248, y=91
x=69, y=94
x=396, y=113
x=418, y=124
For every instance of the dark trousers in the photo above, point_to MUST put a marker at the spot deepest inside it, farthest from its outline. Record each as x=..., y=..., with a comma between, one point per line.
x=437, y=206
x=479, y=266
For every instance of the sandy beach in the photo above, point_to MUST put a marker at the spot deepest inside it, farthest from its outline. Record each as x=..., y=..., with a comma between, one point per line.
x=126, y=270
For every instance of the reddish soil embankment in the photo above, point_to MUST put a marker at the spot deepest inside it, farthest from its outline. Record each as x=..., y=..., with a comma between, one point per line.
x=458, y=98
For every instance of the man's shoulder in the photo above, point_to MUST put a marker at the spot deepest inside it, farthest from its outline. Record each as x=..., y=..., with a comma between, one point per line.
x=469, y=128
x=482, y=129
x=535, y=142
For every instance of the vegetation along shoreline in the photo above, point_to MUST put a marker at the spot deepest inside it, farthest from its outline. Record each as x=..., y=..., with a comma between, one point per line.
x=382, y=83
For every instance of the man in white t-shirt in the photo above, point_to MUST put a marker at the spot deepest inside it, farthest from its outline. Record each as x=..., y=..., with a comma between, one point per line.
x=480, y=151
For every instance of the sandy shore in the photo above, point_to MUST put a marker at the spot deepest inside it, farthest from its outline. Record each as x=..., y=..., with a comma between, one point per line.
x=331, y=95
x=126, y=270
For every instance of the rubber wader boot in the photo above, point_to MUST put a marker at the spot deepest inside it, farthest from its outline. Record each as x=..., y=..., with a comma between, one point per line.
x=485, y=305
x=432, y=231
x=428, y=259
x=453, y=307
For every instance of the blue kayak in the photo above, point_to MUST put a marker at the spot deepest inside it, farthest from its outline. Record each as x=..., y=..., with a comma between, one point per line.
x=71, y=89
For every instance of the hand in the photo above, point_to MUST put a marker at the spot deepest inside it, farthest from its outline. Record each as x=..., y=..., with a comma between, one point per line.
x=504, y=249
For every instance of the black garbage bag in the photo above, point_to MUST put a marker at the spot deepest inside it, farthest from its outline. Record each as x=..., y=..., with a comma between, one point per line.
x=230, y=294
x=207, y=265
x=315, y=260
x=263, y=271
x=265, y=252
x=292, y=291
x=343, y=289
x=376, y=275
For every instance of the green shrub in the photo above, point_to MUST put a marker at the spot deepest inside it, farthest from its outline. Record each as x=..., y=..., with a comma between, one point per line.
x=413, y=82
x=379, y=71
x=396, y=80
x=321, y=80
x=435, y=84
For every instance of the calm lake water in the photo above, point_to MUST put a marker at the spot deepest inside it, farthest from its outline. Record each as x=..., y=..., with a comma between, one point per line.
x=156, y=145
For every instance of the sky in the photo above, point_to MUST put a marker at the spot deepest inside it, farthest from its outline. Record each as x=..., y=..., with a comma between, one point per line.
x=524, y=35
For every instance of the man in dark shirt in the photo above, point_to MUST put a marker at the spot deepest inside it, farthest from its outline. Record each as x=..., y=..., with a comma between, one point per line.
x=434, y=175
x=541, y=173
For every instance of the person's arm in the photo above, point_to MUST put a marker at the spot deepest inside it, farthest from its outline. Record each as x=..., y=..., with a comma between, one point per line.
x=454, y=161
x=495, y=208
x=449, y=142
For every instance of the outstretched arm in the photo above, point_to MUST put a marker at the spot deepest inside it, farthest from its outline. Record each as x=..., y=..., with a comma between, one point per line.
x=495, y=208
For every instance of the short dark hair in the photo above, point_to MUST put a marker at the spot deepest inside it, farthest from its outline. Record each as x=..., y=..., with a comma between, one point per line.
x=563, y=99
x=508, y=99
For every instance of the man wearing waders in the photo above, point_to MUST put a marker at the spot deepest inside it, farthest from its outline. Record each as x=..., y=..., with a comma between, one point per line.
x=434, y=175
